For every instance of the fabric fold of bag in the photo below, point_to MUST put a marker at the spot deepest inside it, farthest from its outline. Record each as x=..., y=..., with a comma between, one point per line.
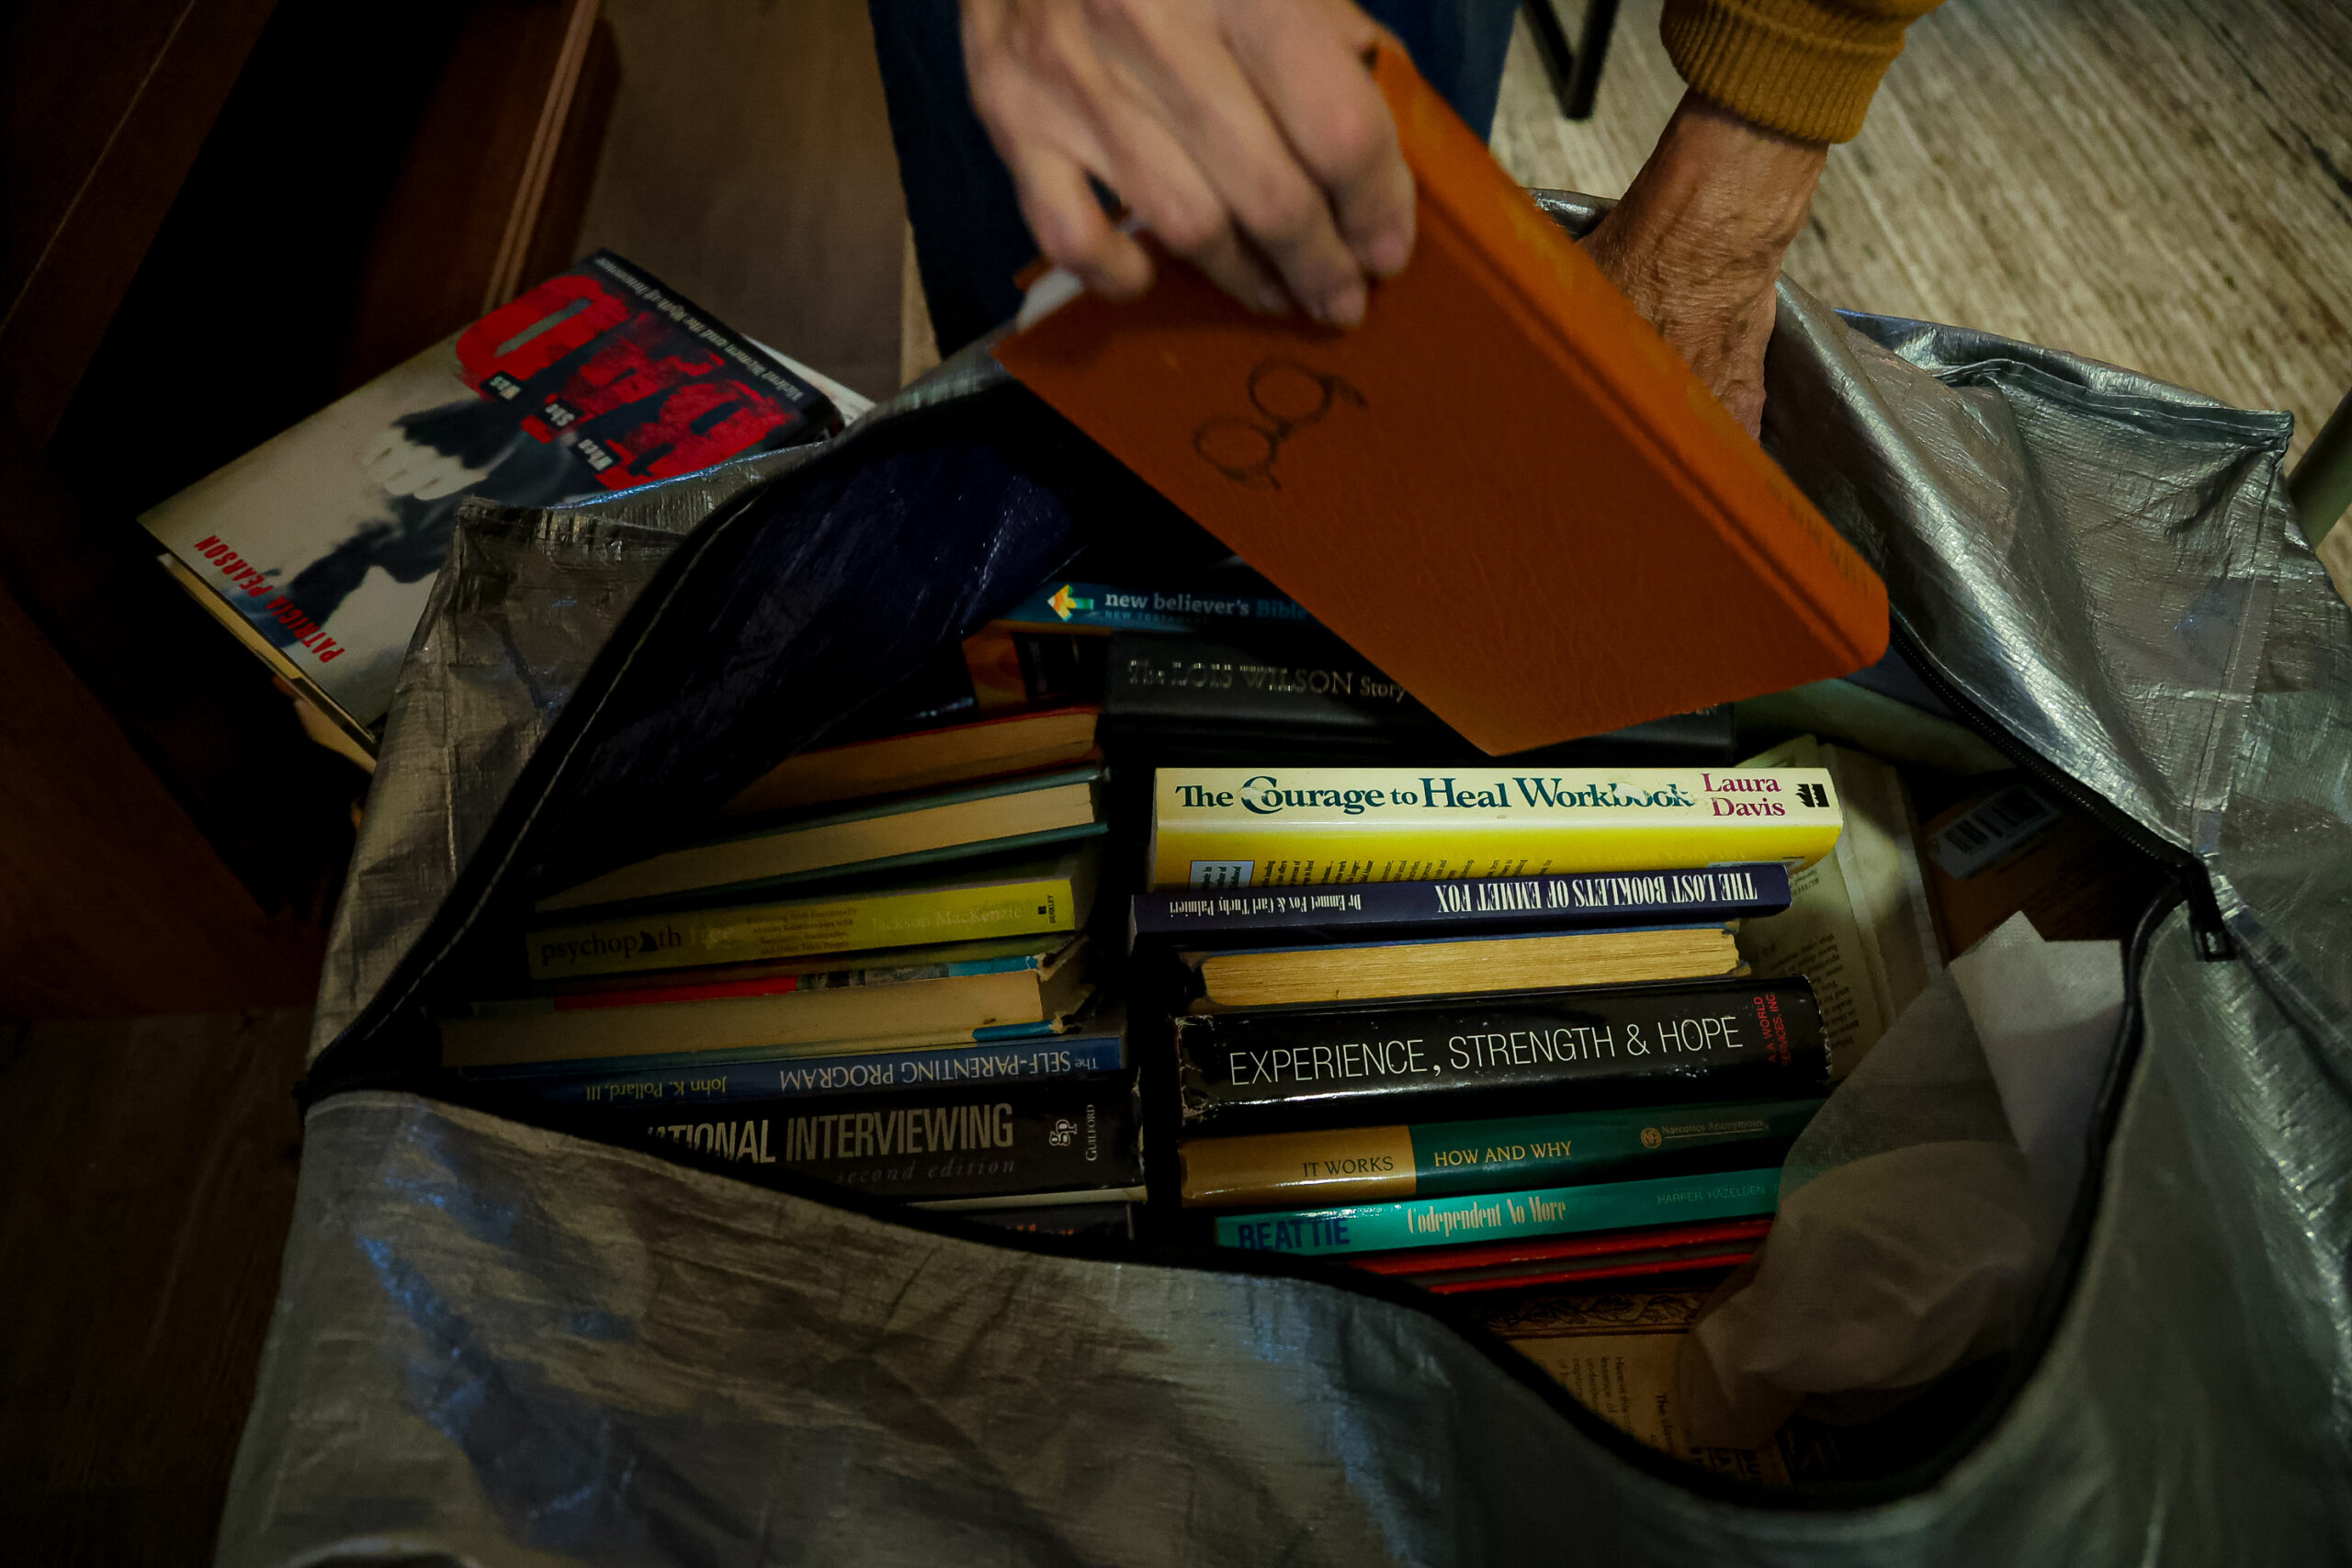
x=496, y=1344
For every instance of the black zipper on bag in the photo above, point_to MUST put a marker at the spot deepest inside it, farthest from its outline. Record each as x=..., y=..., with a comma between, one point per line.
x=2214, y=944
x=2192, y=888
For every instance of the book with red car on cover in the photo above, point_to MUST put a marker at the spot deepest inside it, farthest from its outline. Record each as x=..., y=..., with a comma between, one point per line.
x=323, y=542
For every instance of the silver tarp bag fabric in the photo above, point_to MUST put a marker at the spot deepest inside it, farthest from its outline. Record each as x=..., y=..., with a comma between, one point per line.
x=495, y=1343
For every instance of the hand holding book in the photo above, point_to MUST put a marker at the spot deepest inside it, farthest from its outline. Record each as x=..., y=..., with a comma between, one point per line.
x=1247, y=138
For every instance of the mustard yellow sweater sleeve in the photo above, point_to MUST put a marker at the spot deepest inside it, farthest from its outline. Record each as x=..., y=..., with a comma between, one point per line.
x=1804, y=68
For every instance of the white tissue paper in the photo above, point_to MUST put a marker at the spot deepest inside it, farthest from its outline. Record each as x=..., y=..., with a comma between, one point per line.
x=1921, y=1210
x=2046, y=1013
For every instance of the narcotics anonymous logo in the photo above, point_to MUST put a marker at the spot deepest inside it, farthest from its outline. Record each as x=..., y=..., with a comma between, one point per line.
x=1288, y=397
x=1650, y=1138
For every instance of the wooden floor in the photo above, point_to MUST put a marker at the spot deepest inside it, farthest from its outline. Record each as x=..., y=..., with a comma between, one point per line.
x=2161, y=184
x=145, y=1186
x=2165, y=184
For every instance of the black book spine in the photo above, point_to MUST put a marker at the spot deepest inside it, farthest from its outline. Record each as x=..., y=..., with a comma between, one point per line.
x=1302, y=693
x=1431, y=1061
x=1369, y=911
x=1094, y=1221
x=1295, y=678
x=967, y=1141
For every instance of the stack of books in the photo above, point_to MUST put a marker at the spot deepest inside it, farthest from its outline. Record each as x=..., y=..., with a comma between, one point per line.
x=866, y=979
x=1063, y=948
x=887, y=965
x=1479, y=1029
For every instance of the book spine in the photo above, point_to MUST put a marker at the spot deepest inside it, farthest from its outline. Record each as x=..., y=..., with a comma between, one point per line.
x=671, y=1061
x=1700, y=1236
x=1319, y=697
x=1011, y=668
x=1317, y=683
x=1093, y=1222
x=601, y=996
x=881, y=865
x=1635, y=1044
x=1558, y=1210
x=735, y=1083
x=1659, y=1266
x=607, y=994
x=679, y=938
x=1230, y=827
x=1366, y=910
x=1096, y=606
x=963, y=1143
x=1370, y=1163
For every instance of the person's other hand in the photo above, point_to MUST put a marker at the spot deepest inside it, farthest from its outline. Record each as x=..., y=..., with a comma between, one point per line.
x=1245, y=135
x=1696, y=243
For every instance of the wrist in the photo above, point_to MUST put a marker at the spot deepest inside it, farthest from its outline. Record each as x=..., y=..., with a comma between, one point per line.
x=1697, y=240
x=1721, y=199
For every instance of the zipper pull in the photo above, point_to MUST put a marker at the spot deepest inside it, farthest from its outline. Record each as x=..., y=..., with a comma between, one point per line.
x=2205, y=923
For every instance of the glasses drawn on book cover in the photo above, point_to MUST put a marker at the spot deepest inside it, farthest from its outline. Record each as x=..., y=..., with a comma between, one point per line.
x=349, y=515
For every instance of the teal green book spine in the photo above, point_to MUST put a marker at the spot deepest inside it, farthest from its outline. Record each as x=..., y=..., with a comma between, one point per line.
x=1505, y=1216
x=1360, y=1165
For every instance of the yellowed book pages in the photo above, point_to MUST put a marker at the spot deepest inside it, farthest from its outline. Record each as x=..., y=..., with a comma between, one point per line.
x=1616, y=1351
x=1858, y=924
x=322, y=718
x=1879, y=854
x=801, y=851
x=1819, y=937
x=784, y=1021
x=1281, y=975
x=927, y=760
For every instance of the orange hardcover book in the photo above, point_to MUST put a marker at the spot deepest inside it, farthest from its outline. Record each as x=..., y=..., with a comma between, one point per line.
x=1504, y=488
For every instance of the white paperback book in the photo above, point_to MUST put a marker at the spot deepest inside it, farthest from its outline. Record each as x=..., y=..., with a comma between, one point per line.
x=1858, y=923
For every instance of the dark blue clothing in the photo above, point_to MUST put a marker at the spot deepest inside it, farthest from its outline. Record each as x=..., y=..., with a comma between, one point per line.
x=969, y=238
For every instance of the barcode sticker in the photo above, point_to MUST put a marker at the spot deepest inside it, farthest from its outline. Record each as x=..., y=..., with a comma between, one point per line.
x=1223, y=873
x=1992, y=831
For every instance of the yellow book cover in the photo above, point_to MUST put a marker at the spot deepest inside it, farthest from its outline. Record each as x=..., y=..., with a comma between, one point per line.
x=1027, y=899
x=1287, y=827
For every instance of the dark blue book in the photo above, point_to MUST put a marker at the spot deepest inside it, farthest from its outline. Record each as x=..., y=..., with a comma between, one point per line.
x=1093, y=1222
x=1097, y=1048
x=1366, y=912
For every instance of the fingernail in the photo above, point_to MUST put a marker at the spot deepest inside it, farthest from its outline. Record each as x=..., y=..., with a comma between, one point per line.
x=1342, y=307
x=1388, y=253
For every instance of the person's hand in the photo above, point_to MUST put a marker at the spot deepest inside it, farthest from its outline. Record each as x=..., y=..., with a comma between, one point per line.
x=1696, y=243
x=1245, y=135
